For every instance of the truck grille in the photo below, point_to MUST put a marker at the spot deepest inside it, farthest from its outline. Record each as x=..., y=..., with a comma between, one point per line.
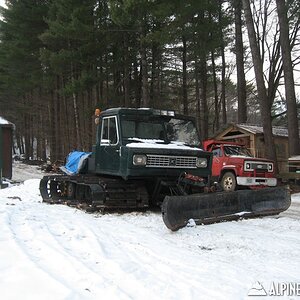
x=258, y=166
x=165, y=161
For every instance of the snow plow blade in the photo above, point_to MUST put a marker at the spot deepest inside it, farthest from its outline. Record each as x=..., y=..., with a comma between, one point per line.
x=223, y=206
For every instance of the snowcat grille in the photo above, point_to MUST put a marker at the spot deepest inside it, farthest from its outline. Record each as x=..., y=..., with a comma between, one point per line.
x=165, y=161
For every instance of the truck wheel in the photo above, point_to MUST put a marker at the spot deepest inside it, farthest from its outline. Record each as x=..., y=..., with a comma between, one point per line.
x=228, y=182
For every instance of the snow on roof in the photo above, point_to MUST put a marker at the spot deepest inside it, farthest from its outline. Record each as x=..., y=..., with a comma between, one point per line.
x=3, y=121
x=295, y=158
x=277, y=130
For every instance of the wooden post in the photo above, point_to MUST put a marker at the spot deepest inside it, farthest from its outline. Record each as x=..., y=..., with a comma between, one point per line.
x=1, y=157
x=2, y=185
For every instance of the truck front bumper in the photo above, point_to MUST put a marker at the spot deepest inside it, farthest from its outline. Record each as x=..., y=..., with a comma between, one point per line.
x=252, y=181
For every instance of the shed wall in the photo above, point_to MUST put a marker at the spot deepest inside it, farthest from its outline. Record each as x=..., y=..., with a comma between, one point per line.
x=6, y=144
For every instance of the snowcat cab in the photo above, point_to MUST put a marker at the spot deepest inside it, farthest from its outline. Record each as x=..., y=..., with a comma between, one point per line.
x=151, y=146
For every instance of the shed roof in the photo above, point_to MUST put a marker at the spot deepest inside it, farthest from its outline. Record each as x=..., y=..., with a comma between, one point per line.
x=277, y=130
x=5, y=123
x=295, y=158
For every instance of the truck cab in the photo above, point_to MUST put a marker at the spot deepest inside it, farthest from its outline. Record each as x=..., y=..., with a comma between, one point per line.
x=234, y=167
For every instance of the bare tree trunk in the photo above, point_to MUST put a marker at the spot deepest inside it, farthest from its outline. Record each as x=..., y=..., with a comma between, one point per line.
x=265, y=106
x=184, y=77
x=203, y=98
x=66, y=122
x=144, y=70
x=223, y=72
x=154, y=85
x=223, y=86
x=216, y=124
x=126, y=81
x=198, y=106
x=239, y=52
x=294, y=143
x=52, y=113
x=76, y=114
x=137, y=85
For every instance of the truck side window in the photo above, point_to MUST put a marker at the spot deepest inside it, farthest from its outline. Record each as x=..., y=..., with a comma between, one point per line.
x=113, y=131
x=104, y=135
x=109, y=133
x=216, y=152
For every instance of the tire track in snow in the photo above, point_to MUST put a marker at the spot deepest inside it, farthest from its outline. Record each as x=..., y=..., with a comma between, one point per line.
x=21, y=265
x=139, y=258
x=33, y=248
x=116, y=254
x=71, y=260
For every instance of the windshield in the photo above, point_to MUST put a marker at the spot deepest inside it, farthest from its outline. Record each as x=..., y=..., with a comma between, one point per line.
x=160, y=129
x=237, y=150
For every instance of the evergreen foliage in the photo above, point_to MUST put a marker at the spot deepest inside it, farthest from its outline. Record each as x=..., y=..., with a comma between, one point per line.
x=61, y=59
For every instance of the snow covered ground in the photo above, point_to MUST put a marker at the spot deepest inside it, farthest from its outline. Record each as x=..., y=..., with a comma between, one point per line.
x=58, y=252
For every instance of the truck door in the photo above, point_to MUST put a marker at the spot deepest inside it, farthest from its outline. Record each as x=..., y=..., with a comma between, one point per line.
x=109, y=148
x=217, y=161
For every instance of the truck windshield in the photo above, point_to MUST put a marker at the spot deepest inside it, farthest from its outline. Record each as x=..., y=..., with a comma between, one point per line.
x=160, y=130
x=237, y=150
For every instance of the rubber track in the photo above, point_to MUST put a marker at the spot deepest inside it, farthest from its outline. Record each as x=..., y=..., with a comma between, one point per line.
x=93, y=192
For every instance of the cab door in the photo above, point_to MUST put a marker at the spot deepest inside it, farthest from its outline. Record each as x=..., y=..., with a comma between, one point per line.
x=108, y=161
x=217, y=161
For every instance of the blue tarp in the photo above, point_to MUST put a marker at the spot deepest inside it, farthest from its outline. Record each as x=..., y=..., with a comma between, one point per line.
x=75, y=162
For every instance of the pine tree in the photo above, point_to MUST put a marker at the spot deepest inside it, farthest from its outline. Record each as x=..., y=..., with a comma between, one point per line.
x=21, y=72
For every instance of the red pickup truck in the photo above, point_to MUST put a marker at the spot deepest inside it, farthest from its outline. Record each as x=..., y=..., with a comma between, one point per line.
x=234, y=166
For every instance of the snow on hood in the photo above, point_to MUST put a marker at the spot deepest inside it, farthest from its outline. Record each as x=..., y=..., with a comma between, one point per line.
x=251, y=158
x=241, y=156
x=159, y=144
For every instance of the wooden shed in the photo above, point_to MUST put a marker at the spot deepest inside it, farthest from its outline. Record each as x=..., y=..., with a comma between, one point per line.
x=6, y=142
x=253, y=138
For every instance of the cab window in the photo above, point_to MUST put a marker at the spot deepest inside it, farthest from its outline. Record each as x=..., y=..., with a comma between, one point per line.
x=217, y=152
x=109, y=133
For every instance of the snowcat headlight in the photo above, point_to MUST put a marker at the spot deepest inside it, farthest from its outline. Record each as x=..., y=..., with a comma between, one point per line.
x=201, y=162
x=139, y=160
x=270, y=167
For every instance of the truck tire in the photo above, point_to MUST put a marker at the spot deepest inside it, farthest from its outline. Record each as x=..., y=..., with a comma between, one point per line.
x=228, y=182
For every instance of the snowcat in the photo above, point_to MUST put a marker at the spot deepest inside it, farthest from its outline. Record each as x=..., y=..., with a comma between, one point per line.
x=148, y=158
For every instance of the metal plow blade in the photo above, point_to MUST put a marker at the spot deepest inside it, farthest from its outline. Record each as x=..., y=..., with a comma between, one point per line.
x=223, y=206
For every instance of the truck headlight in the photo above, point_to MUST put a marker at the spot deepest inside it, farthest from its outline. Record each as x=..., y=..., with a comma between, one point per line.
x=270, y=167
x=247, y=166
x=139, y=160
x=201, y=162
